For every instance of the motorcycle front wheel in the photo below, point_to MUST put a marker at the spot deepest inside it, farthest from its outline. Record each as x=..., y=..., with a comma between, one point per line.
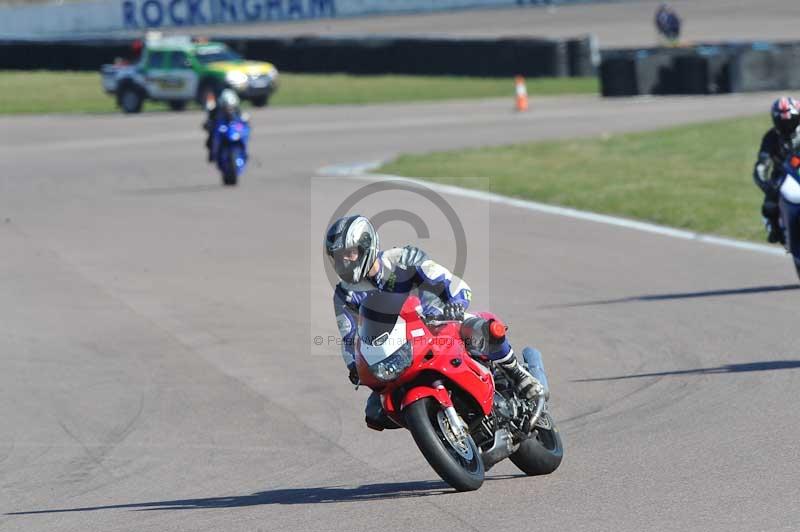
x=230, y=174
x=457, y=460
x=541, y=454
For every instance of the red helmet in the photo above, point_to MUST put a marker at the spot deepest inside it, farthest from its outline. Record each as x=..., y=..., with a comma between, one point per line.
x=785, y=115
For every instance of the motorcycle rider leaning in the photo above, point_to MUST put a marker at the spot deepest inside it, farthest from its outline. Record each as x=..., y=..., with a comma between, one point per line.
x=778, y=143
x=351, y=244
x=226, y=107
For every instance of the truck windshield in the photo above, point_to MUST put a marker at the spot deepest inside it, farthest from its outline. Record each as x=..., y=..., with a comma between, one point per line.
x=212, y=55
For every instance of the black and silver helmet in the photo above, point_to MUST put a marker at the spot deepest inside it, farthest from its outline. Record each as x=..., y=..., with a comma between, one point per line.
x=344, y=235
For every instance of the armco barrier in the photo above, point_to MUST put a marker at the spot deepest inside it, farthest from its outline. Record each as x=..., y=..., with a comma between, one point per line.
x=368, y=55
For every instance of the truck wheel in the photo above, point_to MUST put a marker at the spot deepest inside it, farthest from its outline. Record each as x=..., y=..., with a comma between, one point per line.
x=260, y=101
x=130, y=99
x=177, y=105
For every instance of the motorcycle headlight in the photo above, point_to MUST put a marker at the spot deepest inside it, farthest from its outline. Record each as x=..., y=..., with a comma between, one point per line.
x=392, y=367
x=236, y=78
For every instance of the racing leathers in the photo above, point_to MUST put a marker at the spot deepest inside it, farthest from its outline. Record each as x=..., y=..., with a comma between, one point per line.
x=768, y=173
x=402, y=270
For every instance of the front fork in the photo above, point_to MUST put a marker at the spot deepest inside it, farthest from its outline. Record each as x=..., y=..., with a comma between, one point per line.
x=442, y=395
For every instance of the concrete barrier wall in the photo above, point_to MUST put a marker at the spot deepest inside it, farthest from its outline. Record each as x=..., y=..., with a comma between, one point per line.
x=105, y=16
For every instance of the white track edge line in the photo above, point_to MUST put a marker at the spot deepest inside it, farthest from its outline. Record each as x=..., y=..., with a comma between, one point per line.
x=362, y=172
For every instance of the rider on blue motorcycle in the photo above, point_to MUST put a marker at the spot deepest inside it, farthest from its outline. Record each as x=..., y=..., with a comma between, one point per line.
x=777, y=144
x=226, y=108
x=351, y=244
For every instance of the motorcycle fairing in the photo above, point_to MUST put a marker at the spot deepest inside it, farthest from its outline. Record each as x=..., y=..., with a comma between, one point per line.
x=790, y=189
x=384, y=345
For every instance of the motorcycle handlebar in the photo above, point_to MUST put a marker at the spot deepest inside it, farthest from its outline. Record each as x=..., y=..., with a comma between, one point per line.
x=435, y=321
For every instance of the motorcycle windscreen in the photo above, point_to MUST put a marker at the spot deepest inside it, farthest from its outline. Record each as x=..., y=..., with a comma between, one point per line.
x=381, y=330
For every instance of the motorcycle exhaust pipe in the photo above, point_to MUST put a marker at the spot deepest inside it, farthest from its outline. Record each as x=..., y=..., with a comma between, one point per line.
x=533, y=359
x=501, y=449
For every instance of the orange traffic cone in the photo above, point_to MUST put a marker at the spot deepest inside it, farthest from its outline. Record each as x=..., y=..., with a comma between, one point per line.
x=522, y=94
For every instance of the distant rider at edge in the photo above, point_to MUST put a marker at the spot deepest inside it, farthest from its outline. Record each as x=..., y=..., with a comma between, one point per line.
x=778, y=143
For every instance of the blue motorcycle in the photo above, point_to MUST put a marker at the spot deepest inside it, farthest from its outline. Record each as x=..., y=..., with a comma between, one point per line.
x=229, y=146
x=789, y=202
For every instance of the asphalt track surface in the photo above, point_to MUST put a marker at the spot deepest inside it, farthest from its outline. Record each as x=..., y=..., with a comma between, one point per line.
x=615, y=24
x=157, y=367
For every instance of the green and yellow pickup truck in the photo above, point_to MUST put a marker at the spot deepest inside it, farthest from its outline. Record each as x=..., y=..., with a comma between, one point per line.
x=178, y=70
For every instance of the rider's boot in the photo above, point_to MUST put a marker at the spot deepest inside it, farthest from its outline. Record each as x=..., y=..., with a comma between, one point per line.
x=771, y=212
x=375, y=416
x=775, y=233
x=500, y=351
x=526, y=384
x=209, y=148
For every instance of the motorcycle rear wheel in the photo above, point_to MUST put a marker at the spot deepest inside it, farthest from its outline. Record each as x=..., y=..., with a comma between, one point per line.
x=541, y=454
x=462, y=473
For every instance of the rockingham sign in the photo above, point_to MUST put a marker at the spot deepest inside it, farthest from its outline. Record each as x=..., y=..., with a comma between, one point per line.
x=159, y=13
x=82, y=17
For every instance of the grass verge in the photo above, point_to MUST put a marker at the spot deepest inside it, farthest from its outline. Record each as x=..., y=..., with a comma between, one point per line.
x=694, y=177
x=80, y=92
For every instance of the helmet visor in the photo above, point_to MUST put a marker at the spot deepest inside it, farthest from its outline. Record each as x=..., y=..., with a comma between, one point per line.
x=786, y=126
x=347, y=262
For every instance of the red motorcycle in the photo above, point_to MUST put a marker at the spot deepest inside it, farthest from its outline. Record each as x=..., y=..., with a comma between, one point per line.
x=465, y=417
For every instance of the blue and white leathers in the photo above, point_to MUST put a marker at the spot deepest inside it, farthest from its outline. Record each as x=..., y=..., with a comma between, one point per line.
x=401, y=271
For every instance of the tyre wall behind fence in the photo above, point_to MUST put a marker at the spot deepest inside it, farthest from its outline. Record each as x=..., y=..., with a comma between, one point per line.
x=469, y=57
x=21, y=55
x=703, y=69
x=104, y=16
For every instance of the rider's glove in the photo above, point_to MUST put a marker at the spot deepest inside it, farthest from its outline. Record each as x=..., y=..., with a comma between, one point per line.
x=353, y=376
x=453, y=311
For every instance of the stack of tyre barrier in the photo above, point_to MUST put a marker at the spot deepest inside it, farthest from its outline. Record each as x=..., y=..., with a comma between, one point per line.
x=421, y=55
x=61, y=55
x=355, y=55
x=702, y=69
